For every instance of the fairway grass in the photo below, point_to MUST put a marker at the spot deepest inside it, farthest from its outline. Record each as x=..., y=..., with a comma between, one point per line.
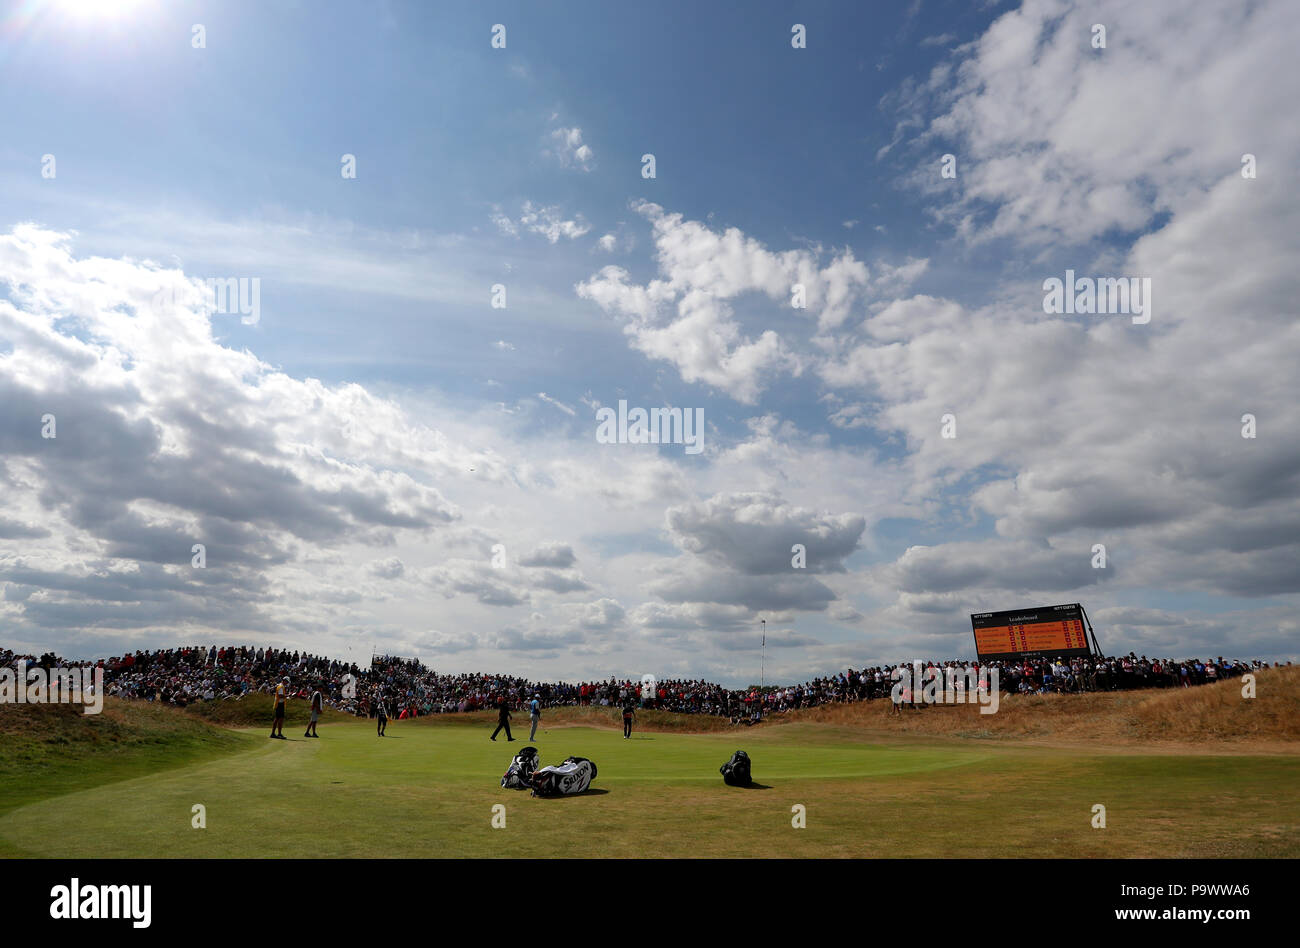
x=428, y=789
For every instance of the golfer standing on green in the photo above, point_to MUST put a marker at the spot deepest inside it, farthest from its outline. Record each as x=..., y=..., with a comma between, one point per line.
x=535, y=714
x=316, y=704
x=277, y=722
x=629, y=712
x=381, y=712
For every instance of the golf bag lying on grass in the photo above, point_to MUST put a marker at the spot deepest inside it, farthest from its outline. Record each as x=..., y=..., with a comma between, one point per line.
x=573, y=776
x=520, y=772
x=735, y=772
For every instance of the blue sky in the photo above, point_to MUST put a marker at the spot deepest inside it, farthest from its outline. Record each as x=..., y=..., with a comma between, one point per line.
x=445, y=127
x=464, y=426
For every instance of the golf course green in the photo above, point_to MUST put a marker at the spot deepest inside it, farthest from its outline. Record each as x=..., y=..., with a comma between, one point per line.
x=429, y=788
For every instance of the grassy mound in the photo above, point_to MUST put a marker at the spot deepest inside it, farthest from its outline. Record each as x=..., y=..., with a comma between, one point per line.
x=255, y=710
x=1216, y=715
x=48, y=749
x=1210, y=714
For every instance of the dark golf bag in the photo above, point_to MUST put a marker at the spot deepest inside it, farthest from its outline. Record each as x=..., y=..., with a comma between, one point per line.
x=520, y=772
x=735, y=772
x=573, y=776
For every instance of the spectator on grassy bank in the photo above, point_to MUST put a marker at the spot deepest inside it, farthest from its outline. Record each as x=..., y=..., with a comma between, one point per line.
x=185, y=675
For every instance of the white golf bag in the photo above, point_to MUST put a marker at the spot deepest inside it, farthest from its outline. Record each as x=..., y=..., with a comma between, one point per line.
x=573, y=776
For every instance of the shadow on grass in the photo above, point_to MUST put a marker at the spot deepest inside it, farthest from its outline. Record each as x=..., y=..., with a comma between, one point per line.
x=589, y=792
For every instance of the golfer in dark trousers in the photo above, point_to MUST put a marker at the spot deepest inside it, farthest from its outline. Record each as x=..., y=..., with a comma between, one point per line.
x=503, y=721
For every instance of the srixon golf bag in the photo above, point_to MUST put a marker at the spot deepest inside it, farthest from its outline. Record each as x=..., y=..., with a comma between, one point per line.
x=735, y=772
x=573, y=776
x=521, y=769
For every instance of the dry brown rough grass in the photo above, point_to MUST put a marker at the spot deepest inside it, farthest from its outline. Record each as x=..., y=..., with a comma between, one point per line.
x=1213, y=717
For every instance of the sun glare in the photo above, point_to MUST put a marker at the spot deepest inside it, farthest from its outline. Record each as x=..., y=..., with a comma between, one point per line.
x=98, y=9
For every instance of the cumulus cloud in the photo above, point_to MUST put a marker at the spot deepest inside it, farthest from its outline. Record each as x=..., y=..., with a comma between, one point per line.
x=1016, y=566
x=696, y=582
x=686, y=316
x=756, y=533
x=490, y=586
x=163, y=438
x=1085, y=430
x=318, y=504
x=555, y=555
x=1052, y=142
x=389, y=568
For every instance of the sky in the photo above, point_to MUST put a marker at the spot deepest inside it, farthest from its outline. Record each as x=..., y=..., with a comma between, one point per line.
x=462, y=254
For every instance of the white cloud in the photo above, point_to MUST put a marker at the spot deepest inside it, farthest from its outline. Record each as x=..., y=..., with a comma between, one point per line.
x=570, y=149
x=686, y=316
x=390, y=568
x=332, y=513
x=1053, y=142
x=166, y=438
x=755, y=533
x=567, y=409
x=1077, y=431
x=549, y=222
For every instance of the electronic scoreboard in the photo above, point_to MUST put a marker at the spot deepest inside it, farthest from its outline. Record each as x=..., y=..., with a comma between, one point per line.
x=1046, y=632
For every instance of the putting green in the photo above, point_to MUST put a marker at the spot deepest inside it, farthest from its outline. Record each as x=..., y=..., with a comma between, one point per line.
x=429, y=788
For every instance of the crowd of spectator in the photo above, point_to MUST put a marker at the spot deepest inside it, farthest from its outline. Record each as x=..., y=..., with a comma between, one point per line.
x=1027, y=676
x=408, y=688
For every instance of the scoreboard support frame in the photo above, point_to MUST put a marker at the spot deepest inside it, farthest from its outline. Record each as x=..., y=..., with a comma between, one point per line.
x=1096, y=649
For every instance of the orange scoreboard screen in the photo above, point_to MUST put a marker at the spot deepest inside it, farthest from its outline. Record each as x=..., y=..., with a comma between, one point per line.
x=1049, y=631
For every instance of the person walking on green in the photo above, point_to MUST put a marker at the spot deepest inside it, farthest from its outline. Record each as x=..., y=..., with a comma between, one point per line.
x=503, y=721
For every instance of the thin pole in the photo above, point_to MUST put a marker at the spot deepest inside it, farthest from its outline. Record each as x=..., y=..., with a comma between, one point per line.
x=762, y=675
x=1088, y=619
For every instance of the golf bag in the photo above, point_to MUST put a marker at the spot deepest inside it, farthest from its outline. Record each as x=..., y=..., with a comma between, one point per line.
x=735, y=772
x=573, y=776
x=520, y=772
